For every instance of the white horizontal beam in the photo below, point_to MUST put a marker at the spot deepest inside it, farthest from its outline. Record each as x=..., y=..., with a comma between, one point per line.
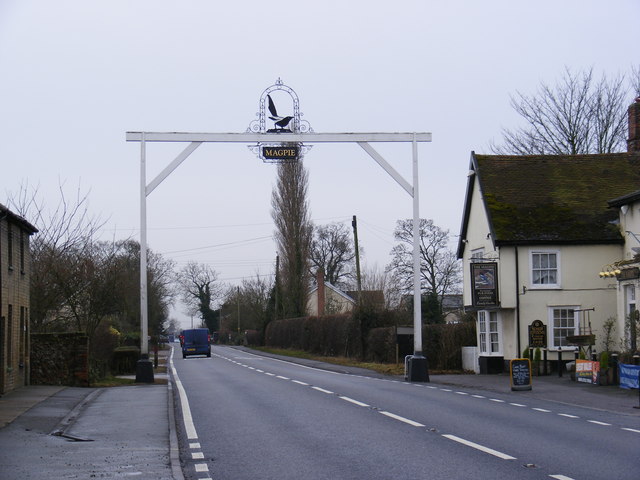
x=277, y=137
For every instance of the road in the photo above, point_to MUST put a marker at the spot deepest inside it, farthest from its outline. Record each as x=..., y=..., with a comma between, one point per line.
x=243, y=416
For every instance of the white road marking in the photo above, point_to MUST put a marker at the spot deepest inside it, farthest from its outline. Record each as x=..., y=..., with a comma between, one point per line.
x=496, y=400
x=567, y=415
x=194, y=445
x=631, y=430
x=270, y=374
x=202, y=467
x=446, y=390
x=478, y=396
x=482, y=448
x=282, y=378
x=402, y=419
x=599, y=423
x=322, y=390
x=197, y=456
x=517, y=405
x=541, y=410
x=300, y=383
x=462, y=393
x=561, y=477
x=189, y=427
x=356, y=402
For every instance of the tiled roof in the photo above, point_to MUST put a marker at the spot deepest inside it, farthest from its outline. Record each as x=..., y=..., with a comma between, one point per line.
x=555, y=198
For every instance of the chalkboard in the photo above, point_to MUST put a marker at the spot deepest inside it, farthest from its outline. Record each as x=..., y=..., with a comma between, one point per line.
x=520, y=369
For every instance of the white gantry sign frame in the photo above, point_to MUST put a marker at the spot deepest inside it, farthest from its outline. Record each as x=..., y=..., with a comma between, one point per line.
x=196, y=139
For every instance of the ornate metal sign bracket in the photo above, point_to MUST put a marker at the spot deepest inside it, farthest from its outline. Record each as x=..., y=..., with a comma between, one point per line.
x=284, y=121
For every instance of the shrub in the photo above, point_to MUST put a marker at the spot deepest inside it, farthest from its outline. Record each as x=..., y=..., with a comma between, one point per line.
x=124, y=360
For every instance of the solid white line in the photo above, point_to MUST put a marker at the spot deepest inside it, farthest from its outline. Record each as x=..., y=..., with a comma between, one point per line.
x=567, y=415
x=631, y=430
x=356, y=402
x=189, y=427
x=402, y=419
x=561, y=477
x=599, y=423
x=541, y=410
x=197, y=456
x=482, y=448
x=322, y=390
x=300, y=383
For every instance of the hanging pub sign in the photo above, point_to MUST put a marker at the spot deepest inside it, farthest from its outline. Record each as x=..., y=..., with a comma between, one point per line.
x=537, y=334
x=484, y=284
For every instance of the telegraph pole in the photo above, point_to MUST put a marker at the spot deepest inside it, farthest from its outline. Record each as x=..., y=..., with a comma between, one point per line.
x=354, y=224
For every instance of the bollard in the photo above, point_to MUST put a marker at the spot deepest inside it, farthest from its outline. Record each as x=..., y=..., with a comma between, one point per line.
x=614, y=368
x=560, y=366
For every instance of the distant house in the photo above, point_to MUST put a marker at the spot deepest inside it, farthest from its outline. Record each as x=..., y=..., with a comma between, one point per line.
x=15, y=269
x=536, y=231
x=326, y=299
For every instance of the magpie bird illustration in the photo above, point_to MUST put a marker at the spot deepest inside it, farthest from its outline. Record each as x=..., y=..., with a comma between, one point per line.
x=281, y=122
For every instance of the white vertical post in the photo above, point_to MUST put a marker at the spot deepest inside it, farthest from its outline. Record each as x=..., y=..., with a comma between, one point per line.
x=144, y=324
x=417, y=293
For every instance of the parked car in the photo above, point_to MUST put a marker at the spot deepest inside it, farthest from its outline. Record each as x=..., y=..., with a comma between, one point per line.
x=195, y=341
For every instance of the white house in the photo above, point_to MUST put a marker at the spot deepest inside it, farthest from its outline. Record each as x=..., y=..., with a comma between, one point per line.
x=536, y=231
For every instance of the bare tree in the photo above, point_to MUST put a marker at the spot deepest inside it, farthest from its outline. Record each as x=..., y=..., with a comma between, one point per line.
x=199, y=286
x=332, y=250
x=440, y=271
x=293, y=236
x=579, y=115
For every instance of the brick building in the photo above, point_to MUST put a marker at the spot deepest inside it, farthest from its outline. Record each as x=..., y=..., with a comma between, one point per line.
x=15, y=268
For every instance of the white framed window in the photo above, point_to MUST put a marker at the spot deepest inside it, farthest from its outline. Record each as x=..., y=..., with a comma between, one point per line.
x=629, y=299
x=563, y=322
x=477, y=254
x=545, y=268
x=489, y=333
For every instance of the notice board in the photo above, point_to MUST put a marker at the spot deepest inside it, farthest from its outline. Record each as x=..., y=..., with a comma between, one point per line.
x=520, y=374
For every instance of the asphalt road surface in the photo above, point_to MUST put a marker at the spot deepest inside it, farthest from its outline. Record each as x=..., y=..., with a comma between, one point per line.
x=243, y=416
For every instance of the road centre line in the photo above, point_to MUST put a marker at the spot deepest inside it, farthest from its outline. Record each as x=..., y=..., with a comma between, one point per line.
x=300, y=383
x=482, y=448
x=402, y=419
x=355, y=402
x=631, y=430
x=323, y=390
x=541, y=410
x=496, y=400
x=599, y=423
x=567, y=415
x=282, y=378
x=517, y=404
x=561, y=477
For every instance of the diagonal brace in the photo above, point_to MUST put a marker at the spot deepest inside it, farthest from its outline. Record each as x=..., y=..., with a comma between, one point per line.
x=387, y=167
x=172, y=166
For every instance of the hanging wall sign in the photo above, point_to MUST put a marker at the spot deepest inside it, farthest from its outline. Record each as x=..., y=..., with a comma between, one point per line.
x=484, y=284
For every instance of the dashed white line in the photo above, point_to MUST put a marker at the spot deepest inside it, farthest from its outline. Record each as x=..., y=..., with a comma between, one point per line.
x=496, y=400
x=462, y=393
x=356, y=402
x=402, y=419
x=541, y=410
x=599, y=423
x=561, y=477
x=282, y=378
x=194, y=445
x=300, y=383
x=446, y=390
x=323, y=390
x=478, y=396
x=567, y=415
x=631, y=430
x=197, y=455
x=517, y=404
x=201, y=467
x=270, y=374
x=482, y=448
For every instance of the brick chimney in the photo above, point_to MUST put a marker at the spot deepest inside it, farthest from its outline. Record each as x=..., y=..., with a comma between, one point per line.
x=633, y=143
x=321, y=294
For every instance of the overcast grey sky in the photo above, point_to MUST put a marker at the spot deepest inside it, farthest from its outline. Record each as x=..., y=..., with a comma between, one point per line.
x=77, y=74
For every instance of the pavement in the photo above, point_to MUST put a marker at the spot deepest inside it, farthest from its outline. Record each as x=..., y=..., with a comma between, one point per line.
x=69, y=432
